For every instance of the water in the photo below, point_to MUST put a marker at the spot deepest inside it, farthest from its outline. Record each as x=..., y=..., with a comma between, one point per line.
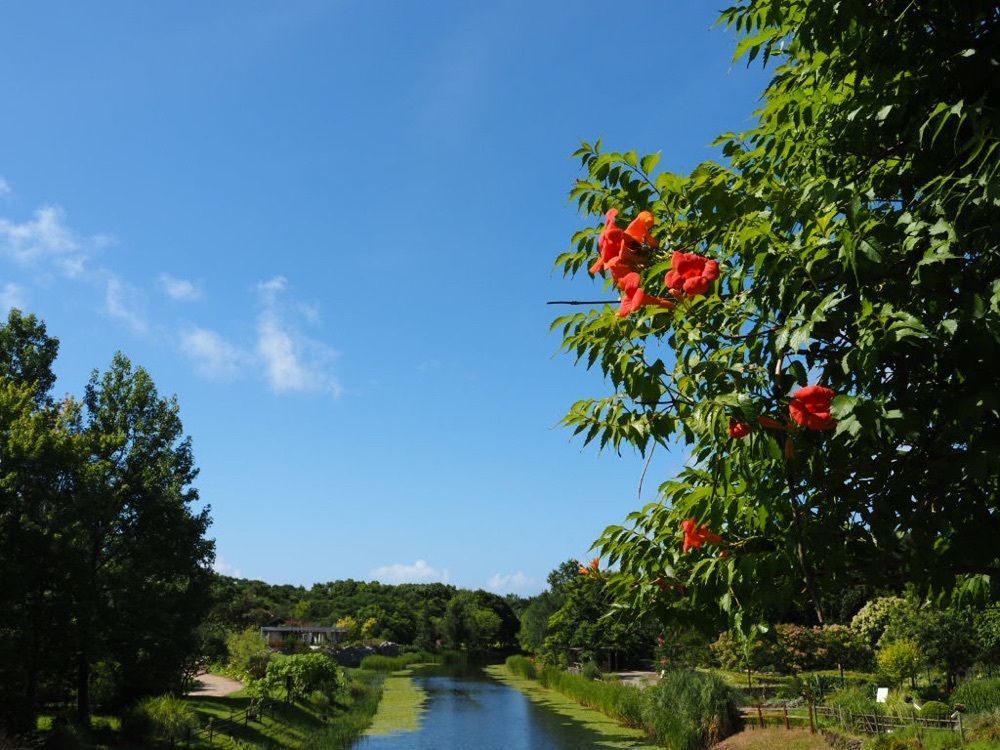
x=472, y=710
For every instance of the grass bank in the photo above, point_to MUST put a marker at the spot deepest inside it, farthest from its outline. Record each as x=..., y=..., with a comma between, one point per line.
x=302, y=725
x=602, y=731
x=401, y=707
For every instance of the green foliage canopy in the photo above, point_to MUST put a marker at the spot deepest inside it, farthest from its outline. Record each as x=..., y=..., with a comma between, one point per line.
x=857, y=229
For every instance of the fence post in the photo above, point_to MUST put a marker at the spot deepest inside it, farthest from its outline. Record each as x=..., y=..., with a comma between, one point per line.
x=760, y=716
x=211, y=729
x=812, y=721
x=961, y=729
x=787, y=725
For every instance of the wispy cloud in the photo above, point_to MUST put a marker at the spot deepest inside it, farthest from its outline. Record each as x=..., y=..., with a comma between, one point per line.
x=121, y=303
x=512, y=583
x=12, y=295
x=5, y=188
x=46, y=238
x=418, y=572
x=293, y=362
x=182, y=290
x=213, y=356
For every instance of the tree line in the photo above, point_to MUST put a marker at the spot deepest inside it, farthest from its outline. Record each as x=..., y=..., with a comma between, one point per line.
x=105, y=569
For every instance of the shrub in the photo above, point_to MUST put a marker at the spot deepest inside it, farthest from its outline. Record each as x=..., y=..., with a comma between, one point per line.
x=136, y=726
x=935, y=710
x=978, y=695
x=522, y=666
x=248, y=653
x=690, y=710
x=171, y=718
x=873, y=618
x=591, y=671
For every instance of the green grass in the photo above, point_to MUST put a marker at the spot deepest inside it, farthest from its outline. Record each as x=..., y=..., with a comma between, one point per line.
x=593, y=728
x=401, y=707
x=379, y=663
x=299, y=726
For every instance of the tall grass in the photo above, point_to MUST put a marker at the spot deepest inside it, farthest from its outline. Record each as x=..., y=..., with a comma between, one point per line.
x=621, y=702
x=363, y=694
x=978, y=695
x=522, y=666
x=683, y=711
x=690, y=710
x=379, y=663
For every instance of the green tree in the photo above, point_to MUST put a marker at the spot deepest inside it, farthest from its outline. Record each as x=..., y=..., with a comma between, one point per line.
x=871, y=621
x=140, y=561
x=900, y=660
x=855, y=228
x=248, y=652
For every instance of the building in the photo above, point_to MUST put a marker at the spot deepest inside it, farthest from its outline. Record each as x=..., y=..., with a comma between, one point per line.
x=313, y=636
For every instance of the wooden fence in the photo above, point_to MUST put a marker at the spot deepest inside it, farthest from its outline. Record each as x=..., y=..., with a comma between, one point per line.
x=848, y=720
x=236, y=723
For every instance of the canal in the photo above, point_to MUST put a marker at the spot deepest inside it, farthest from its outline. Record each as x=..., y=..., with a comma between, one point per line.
x=468, y=708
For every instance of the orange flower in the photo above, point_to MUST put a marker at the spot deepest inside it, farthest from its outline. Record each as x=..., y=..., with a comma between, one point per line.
x=810, y=407
x=634, y=298
x=738, y=429
x=594, y=567
x=696, y=535
x=690, y=274
x=639, y=229
x=619, y=248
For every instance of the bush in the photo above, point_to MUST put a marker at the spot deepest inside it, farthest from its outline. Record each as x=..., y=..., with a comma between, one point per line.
x=591, y=671
x=248, y=653
x=935, y=710
x=171, y=718
x=690, y=710
x=522, y=666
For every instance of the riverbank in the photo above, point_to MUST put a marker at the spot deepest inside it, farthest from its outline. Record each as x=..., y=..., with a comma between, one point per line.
x=607, y=732
x=401, y=706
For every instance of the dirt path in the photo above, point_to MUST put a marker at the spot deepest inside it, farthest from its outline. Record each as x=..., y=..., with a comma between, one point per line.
x=214, y=686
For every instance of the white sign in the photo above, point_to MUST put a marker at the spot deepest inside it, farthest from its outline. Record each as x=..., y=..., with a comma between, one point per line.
x=881, y=694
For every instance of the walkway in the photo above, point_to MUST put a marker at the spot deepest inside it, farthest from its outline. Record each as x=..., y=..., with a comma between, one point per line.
x=214, y=686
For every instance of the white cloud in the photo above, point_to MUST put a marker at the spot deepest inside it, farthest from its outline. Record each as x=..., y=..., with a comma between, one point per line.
x=120, y=303
x=222, y=567
x=292, y=361
x=12, y=295
x=181, y=290
x=5, y=188
x=46, y=237
x=418, y=572
x=512, y=583
x=213, y=356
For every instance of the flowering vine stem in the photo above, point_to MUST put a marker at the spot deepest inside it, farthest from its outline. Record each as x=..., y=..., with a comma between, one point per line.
x=798, y=525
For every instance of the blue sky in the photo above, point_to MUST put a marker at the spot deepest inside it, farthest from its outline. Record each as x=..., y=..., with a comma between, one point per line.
x=329, y=228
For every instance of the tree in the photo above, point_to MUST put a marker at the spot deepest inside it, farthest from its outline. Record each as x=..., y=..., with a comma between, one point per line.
x=349, y=624
x=248, y=652
x=821, y=342
x=871, y=621
x=140, y=562
x=901, y=659
x=988, y=636
x=945, y=637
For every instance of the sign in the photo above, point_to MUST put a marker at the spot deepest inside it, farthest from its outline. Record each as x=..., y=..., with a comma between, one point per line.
x=881, y=695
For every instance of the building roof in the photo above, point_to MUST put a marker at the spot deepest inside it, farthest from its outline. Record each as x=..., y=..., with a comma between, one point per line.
x=300, y=629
